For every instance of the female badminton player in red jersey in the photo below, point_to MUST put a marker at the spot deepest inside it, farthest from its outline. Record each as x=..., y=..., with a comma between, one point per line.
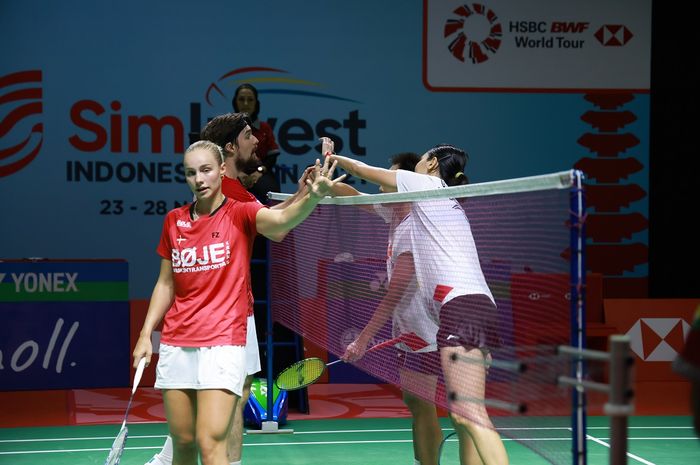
x=240, y=157
x=466, y=307
x=202, y=292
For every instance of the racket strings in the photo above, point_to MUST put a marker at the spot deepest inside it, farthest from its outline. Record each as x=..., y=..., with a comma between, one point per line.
x=115, y=453
x=301, y=374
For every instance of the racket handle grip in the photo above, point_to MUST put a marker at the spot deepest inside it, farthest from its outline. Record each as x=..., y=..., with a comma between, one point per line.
x=138, y=374
x=334, y=362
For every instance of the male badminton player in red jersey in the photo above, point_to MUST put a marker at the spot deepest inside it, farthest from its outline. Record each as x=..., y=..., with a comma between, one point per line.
x=203, y=294
x=245, y=99
x=466, y=306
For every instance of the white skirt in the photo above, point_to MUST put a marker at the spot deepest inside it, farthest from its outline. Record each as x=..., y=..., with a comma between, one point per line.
x=252, y=350
x=218, y=367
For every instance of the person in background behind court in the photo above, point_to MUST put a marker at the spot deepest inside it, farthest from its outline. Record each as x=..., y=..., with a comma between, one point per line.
x=262, y=180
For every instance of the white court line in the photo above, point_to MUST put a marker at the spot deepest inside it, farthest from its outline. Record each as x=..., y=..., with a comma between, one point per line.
x=643, y=427
x=629, y=454
x=316, y=443
x=90, y=438
x=387, y=430
x=267, y=444
x=60, y=451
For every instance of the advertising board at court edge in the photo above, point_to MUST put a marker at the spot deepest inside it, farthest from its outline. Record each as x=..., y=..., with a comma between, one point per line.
x=114, y=144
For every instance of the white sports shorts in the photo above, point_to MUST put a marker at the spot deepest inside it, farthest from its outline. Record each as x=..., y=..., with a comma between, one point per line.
x=252, y=351
x=218, y=367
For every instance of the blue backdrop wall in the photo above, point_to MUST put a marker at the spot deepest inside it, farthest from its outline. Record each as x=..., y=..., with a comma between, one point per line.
x=97, y=100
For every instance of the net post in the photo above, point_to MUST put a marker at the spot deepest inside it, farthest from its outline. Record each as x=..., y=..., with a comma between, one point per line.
x=269, y=426
x=619, y=406
x=578, y=317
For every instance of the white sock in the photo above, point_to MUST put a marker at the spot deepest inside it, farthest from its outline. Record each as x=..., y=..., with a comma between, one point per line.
x=416, y=462
x=166, y=453
x=236, y=463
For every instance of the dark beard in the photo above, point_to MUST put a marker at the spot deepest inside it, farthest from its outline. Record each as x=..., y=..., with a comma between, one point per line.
x=248, y=166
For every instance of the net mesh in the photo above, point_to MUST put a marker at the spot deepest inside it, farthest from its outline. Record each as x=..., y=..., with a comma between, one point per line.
x=339, y=280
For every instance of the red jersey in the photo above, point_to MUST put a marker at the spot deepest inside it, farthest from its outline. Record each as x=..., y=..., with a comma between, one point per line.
x=233, y=189
x=267, y=145
x=211, y=270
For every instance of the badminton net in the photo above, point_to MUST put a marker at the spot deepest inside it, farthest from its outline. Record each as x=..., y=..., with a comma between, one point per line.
x=330, y=277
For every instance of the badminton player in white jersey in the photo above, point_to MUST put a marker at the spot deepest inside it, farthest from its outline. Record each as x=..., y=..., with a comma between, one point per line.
x=203, y=295
x=420, y=368
x=442, y=243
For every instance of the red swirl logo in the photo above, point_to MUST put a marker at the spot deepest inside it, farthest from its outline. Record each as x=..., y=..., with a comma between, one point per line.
x=20, y=106
x=474, y=28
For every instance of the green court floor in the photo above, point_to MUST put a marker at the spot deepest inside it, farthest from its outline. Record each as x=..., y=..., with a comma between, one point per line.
x=652, y=441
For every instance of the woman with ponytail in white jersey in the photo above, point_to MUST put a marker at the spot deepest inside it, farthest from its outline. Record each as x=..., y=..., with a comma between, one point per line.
x=448, y=272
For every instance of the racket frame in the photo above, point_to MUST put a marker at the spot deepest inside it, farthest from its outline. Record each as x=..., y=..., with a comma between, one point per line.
x=294, y=366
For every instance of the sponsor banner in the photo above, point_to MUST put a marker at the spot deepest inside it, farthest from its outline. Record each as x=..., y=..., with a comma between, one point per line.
x=541, y=45
x=61, y=345
x=64, y=281
x=67, y=324
x=657, y=329
x=98, y=160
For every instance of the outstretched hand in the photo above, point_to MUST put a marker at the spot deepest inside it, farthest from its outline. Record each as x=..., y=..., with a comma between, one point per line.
x=307, y=175
x=320, y=180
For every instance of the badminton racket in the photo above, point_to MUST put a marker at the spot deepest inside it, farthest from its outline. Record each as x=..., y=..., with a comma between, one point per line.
x=305, y=372
x=115, y=453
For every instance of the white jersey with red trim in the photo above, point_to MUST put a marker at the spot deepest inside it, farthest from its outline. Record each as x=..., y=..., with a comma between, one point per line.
x=211, y=269
x=413, y=314
x=444, y=253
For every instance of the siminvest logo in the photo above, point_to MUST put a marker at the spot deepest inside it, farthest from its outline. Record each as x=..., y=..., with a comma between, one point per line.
x=277, y=81
x=473, y=29
x=658, y=339
x=296, y=136
x=21, y=129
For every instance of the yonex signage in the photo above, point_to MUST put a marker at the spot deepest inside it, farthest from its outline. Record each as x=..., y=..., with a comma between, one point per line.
x=57, y=281
x=56, y=317
x=542, y=45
